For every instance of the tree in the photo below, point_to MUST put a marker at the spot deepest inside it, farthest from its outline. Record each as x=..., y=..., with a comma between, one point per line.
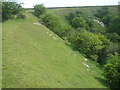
x=10, y=9
x=102, y=54
x=114, y=25
x=106, y=42
x=70, y=17
x=112, y=72
x=78, y=22
x=114, y=37
x=78, y=13
x=86, y=43
x=106, y=19
x=102, y=12
x=39, y=10
x=113, y=49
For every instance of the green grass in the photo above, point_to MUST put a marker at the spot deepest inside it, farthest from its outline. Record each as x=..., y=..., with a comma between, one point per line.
x=33, y=59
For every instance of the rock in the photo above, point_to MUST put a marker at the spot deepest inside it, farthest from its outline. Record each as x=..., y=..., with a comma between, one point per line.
x=50, y=34
x=85, y=59
x=85, y=64
x=37, y=23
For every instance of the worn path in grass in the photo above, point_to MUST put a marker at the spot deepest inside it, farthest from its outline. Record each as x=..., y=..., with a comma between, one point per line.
x=32, y=58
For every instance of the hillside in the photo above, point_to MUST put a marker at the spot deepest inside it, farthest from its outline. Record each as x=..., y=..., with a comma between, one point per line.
x=60, y=13
x=33, y=56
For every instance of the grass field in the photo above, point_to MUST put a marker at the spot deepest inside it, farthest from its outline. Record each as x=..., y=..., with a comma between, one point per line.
x=33, y=59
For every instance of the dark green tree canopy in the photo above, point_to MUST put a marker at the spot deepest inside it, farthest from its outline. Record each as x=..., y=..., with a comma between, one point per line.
x=10, y=9
x=114, y=25
x=112, y=72
x=102, y=12
x=78, y=22
x=39, y=9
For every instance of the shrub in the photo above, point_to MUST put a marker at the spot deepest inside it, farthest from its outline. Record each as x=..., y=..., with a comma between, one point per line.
x=102, y=55
x=39, y=10
x=112, y=72
x=70, y=16
x=106, y=19
x=113, y=48
x=20, y=16
x=86, y=42
x=114, y=25
x=114, y=37
x=102, y=12
x=53, y=24
x=106, y=42
x=10, y=10
x=78, y=22
x=94, y=57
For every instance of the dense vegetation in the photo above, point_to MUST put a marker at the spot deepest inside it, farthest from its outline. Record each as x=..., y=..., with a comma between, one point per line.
x=82, y=35
x=112, y=67
x=112, y=72
x=12, y=10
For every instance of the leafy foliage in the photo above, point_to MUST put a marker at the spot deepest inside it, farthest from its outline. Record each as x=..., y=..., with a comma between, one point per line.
x=112, y=32
x=20, y=16
x=106, y=19
x=114, y=25
x=39, y=10
x=88, y=43
x=102, y=55
x=70, y=16
x=53, y=24
x=78, y=22
x=10, y=9
x=114, y=37
x=102, y=12
x=112, y=72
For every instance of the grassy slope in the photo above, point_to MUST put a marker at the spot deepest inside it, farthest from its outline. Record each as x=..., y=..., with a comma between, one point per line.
x=32, y=58
x=60, y=13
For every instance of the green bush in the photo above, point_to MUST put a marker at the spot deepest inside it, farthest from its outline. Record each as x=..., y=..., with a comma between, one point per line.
x=20, y=16
x=114, y=25
x=86, y=42
x=114, y=37
x=113, y=48
x=112, y=72
x=102, y=54
x=70, y=16
x=106, y=42
x=106, y=19
x=10, y=10
x=94, y=57
x=102, y=12
x=39, y=10
x=78, y=22
x=53, y=24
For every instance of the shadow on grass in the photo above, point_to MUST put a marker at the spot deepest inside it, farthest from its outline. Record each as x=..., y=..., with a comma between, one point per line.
x=102, y=81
